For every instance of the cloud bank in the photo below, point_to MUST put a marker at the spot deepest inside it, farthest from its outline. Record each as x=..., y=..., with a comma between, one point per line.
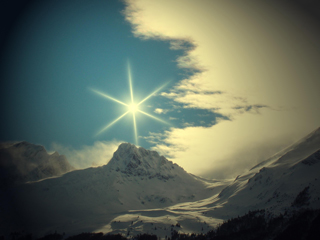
x=254, y=62
x=96, y=155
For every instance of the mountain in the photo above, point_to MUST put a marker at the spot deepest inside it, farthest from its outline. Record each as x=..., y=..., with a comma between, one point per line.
x=283, y=184
x=86, y=200
x=139, y=191
x=23, y=162
x=275, y=183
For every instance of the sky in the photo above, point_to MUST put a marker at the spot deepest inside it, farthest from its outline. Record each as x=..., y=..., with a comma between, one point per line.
x=240, y=80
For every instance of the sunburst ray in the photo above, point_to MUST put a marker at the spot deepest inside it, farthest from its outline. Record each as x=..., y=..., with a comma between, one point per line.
x=135, y=128
x=107, y=96
x=110, y=124
x=132, y=107
x=149, y=115
x=130, y=83
x=150, y=95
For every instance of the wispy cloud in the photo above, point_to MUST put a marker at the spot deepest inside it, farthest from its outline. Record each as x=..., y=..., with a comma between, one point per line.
x=161, y=111
x=96, y=155
x=226, y=149
x=246, y=65
x=173, y=118
x=240, y=55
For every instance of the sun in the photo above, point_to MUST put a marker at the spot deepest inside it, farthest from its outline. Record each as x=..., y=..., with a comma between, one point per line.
x=132, y=107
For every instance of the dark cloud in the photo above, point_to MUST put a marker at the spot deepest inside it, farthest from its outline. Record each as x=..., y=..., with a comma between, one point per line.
x=310, y=8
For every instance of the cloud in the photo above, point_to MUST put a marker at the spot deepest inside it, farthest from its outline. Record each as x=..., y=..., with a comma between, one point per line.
x=88, y=156
x=255, y=63
x=228, y=148
x=173, y=118
x=160, y=111
x=247, y=59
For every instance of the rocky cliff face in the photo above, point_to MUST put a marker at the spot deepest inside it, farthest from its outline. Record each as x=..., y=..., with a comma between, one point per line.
x=133, y=161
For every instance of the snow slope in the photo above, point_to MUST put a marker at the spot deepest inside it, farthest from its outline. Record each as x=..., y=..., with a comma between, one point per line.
x=86, y=200
x=139, y=191
x=273, y=185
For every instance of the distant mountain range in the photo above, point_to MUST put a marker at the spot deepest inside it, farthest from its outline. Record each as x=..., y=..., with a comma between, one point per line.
x=139, y=191
x=22, y=162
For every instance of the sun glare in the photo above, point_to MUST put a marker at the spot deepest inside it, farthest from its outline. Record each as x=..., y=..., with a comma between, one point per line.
x=132, y=107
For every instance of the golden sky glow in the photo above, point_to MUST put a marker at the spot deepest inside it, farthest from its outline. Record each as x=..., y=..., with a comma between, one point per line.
x=257, y=64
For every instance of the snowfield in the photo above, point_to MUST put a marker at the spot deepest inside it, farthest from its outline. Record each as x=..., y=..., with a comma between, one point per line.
x=272, y=185
x=139, y=191
x=86, y=200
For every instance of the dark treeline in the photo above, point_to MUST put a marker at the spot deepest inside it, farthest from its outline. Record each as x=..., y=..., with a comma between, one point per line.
x=255, y=225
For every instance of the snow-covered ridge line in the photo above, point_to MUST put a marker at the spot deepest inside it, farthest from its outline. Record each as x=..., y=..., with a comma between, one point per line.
x=138, y=188
x=284, y=183
x=135, y=178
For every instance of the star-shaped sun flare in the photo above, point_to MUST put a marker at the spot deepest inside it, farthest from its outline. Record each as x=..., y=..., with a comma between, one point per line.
x=131, y=107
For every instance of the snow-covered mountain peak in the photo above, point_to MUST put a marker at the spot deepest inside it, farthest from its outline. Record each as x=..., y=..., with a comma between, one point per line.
x=151, y=193
x=135, y=178
x=126, y=149
x=135, y=161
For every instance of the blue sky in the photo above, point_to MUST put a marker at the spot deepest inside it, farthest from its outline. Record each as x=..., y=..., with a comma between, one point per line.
x=242, y=78
x=58, y=50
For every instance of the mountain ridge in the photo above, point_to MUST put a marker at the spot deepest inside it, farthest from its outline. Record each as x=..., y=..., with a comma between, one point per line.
x=22, y=162
x=134, y=178
x=138, y=188
x=283, y=184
